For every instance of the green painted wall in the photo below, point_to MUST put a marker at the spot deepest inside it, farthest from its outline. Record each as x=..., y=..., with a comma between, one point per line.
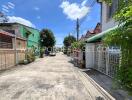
x=33, y=38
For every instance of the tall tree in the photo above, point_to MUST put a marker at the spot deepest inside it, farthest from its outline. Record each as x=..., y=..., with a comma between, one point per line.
x=47, y=38
x=68, y=40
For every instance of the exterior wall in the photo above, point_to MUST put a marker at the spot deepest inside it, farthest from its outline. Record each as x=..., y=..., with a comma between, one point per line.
x=5, y=42
x=13, y=28
x=106, y=23
x=7, y=59
x=89, y=55
x=19, y=30
x=33, y=39
x=77, y=57
x=10, y=57
x=20, y=44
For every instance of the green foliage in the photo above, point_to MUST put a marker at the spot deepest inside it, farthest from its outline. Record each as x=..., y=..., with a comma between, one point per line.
x=122, y=36
x=121, y=3
x=47, y=38
x=68, y=40
x=78, y=45
x=108, y=1
x=31, y=55
x=42, y=52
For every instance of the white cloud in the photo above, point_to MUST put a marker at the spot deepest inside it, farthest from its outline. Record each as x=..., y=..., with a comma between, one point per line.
x=84, y=3
x=36, y=8
x=20, y=20
x=74, y=10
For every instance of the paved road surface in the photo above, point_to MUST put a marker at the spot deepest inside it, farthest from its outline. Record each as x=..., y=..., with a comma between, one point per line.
x=50, y=78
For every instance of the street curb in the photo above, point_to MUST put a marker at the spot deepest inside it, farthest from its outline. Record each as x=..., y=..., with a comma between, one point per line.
x=85, y=77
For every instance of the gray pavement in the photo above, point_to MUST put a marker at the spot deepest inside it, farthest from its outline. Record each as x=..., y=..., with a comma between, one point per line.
x=49, y=78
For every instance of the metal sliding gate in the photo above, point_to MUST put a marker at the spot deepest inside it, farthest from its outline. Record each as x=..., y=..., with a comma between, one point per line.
x=106, y=60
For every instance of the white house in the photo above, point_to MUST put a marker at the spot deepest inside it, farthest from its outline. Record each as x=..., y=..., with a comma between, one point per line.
x=107, y=12
x=97, y=56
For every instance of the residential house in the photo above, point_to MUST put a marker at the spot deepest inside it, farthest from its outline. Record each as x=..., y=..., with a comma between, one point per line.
x=91, y=33
x=79, y=55
x=6, y=40
x=9, y=55
x=31, y=35
x=103, y=59
x=15, y=40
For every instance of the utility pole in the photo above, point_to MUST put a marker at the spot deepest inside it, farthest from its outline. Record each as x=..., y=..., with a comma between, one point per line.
x=77, y=28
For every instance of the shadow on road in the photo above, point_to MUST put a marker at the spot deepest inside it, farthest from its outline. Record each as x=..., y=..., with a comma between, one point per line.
x=107, y=83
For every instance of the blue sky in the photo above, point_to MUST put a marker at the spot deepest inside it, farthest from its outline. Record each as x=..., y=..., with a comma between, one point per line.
x=57, y=15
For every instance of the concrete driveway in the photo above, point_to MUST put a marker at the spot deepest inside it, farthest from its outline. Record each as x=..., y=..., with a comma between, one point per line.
x=49, y=78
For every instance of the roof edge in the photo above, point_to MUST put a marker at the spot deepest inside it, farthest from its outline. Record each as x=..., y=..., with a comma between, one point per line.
x=22, y=25
x=100, y=35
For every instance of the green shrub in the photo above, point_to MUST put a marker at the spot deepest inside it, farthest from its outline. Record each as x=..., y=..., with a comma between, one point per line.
x=30, y=55
x=42, y=52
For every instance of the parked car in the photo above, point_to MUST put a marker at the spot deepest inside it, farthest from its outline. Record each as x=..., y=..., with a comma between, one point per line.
x=52, y=53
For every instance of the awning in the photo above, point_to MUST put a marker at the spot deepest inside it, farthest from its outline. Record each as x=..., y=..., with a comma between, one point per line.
x=6, y=33
x=100, y=35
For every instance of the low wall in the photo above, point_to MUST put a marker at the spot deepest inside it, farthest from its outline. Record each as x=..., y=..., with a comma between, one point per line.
x=10, y=57
x=78, y=58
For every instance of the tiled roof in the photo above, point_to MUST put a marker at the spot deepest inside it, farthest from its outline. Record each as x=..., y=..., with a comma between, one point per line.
x=90, y=33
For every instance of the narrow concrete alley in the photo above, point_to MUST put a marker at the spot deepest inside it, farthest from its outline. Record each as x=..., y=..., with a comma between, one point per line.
x=49, y=78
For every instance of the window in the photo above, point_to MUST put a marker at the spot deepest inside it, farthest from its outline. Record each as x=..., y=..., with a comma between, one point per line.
x=5, y=42
x=111, y=9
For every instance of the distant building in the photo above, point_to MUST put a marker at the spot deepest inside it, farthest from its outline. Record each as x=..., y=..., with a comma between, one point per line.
x=91, y=33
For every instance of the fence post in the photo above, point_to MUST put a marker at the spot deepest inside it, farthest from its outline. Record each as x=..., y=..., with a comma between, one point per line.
x=14, y=50
x=5, y=59
x=107, y=61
